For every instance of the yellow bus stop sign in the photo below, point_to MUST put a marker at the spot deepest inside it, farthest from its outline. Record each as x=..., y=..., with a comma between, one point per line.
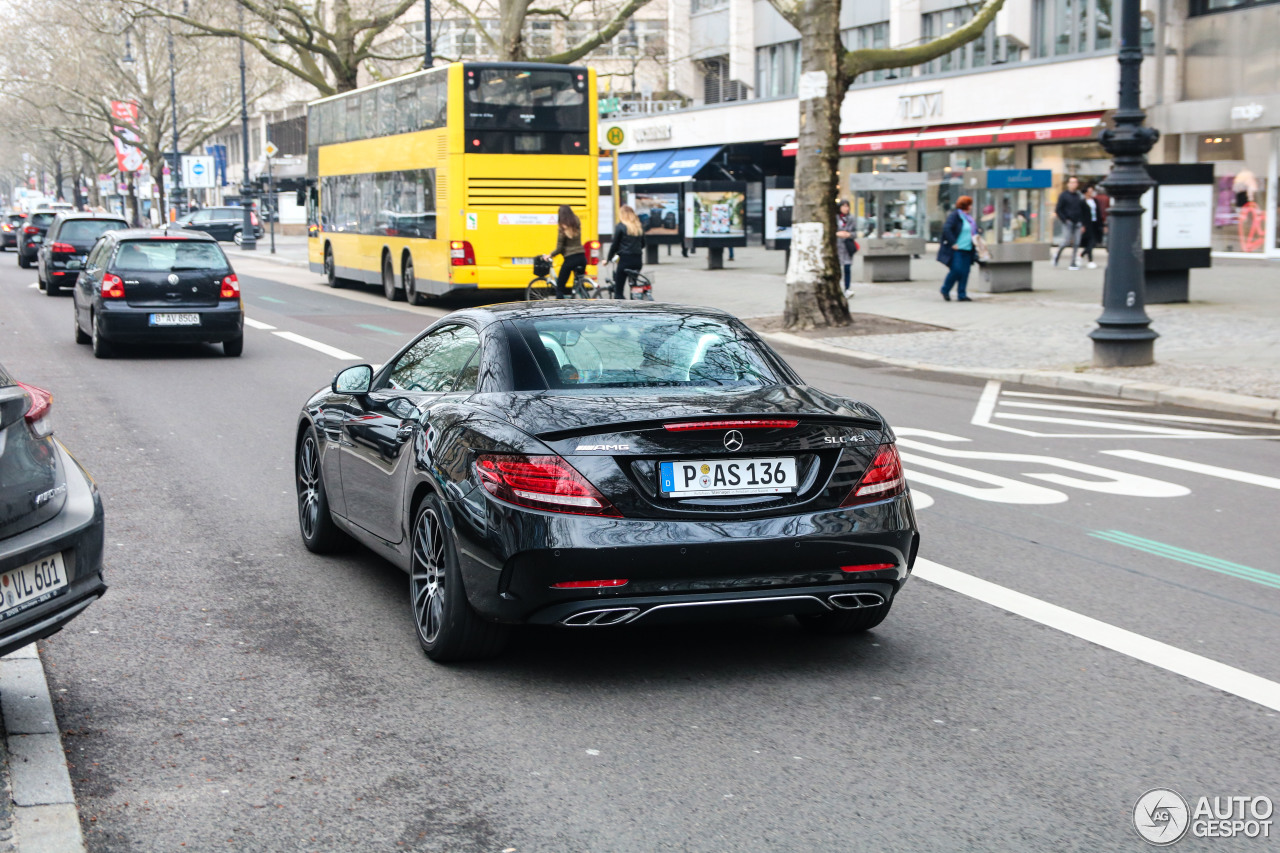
x=615, y=136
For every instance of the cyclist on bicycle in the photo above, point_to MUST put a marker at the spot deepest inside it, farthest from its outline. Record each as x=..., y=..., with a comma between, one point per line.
x=626, y=246
x=569, y=246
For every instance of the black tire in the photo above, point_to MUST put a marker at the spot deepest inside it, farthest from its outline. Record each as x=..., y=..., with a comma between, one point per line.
x=101, y=347
x=319, y=533
x=81, y=337
x=233, y=347
x=22, y=261
x=389, y=289
x=51, y=289
x=448, y=628
x=540, y=288
x=411, y=285
x=846, y=621
x=330, y=271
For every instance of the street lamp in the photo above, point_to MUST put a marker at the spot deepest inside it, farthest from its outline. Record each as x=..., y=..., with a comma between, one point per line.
x=427, y=59
x=248, y=240
x=1124, y=337
x=175, y=173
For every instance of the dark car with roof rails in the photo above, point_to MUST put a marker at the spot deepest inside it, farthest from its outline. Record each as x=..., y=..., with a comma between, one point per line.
x=51, y=523
x=31, y=235
x=596, y=465
x=142, y=286
x=221, y=223
x=62, y=254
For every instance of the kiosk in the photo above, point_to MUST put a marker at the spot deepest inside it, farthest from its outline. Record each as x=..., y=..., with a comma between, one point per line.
x=1009, y=204
x=1177, y=228
x=715, y=217
x=889, y=208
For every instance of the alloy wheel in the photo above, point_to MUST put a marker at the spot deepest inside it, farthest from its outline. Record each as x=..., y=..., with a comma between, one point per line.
x=427, y=575
x=309, y=488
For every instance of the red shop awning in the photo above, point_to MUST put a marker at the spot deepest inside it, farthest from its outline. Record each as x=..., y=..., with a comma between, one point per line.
x=1076, y=126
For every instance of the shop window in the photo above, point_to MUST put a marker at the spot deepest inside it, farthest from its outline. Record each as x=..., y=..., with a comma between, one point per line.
x=1087, y=161
x=946, y=170
x=1240, y=189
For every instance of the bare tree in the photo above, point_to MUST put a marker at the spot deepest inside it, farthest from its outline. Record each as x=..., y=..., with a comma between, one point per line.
x=814, y=297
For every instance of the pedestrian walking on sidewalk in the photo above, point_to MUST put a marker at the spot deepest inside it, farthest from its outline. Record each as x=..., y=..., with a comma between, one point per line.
x=569, y=246
x=846, y=242
x=627, y=246
x=1071, y=213
x=1092, y=225
x=957, y=250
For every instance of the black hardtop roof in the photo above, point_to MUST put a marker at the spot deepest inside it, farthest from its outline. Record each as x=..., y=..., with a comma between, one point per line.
x=157, y=234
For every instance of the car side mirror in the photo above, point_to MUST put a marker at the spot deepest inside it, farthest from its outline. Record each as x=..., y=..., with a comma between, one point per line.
x=354, y=380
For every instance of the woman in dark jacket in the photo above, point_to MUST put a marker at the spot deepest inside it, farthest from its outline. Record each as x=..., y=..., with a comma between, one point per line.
x=627, y=246
x=957, y=250
x=569, y=246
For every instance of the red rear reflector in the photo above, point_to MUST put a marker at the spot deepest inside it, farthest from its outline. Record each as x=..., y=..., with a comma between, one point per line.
x=112, y=286
x=882, y=480
x=461, y=254
x=31, y=229
x=593, y=253
x=230, y=287
x=589, y=584
x=868, y=567
x=754, y=423
x=541, y=482
x=37, y=412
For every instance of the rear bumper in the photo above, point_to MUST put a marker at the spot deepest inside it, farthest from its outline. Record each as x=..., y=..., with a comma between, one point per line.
x=77, y=532
x=132, y=324
x=673, y=569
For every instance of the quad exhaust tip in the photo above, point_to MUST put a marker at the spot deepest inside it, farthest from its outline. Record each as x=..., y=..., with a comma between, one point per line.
x=856, y=600
x=600, y=618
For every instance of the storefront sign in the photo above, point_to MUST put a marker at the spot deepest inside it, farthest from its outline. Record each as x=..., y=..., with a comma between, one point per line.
x=653, y=133
x=865, y=181
x=1247, y=112
x=924, y=105
x=1015, y=179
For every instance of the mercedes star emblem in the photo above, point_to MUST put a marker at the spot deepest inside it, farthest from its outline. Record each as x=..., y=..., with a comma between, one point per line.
x=732, y=440
x=173, y=278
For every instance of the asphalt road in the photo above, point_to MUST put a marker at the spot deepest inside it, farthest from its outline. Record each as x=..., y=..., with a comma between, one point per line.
x=234, y=691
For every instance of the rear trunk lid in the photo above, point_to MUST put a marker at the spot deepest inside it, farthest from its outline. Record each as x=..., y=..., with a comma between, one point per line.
x=32, y=488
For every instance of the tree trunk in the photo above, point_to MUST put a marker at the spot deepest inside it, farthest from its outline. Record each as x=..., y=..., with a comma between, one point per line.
x=131, y=200
x=814, y=293
x=58, y=180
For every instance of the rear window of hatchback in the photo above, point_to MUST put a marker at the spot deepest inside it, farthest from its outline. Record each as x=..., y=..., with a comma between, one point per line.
x=87, y=230
x=169, y=256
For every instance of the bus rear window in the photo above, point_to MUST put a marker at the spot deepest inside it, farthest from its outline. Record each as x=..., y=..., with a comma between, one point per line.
x=526, y=99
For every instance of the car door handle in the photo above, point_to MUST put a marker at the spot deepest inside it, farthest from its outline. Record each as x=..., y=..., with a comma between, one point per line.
x=405, y=432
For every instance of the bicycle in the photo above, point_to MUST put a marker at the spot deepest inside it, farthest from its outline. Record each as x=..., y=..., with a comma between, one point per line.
x=638, y=286
x=543, y=285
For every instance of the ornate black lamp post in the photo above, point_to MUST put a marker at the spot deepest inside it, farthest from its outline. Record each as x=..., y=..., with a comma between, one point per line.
x=248, y=237
x=1124, y=336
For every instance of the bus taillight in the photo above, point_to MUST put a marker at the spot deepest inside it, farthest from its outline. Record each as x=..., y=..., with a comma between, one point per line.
x=593, y=253
x=463, y=255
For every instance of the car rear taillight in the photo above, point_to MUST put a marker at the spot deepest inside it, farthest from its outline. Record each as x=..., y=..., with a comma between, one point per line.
x=541, y=482
x=112, y=286
x=37, y=416
x=253, y=219
x=593, y=253
x=590, y=584
x=31, y=229
x=6, y=227
x=462, y=254
x=868, y=567
x=882, y=480
x=63, y=247
x=753, y=423
x=230, y=288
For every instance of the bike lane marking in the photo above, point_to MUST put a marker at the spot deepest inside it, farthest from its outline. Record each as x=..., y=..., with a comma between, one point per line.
x=1197, y=468
x=1191, y=558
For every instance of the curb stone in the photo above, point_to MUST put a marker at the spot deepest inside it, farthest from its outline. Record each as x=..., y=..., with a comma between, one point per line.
x=37, y=795
x=1133, y=389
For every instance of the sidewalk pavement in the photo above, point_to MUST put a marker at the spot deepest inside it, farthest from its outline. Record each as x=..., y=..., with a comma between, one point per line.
x=1220, y=351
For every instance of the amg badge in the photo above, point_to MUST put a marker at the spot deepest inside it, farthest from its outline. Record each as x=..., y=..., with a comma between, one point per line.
x=582, y=447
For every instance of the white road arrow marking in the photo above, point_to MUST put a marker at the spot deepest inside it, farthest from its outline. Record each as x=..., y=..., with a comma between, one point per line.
x=1198, y=468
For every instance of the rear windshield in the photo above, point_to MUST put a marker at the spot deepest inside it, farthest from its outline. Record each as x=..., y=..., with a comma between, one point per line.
x=166, y=255
x=642, y=351
x=88, y=230
x=42, y=218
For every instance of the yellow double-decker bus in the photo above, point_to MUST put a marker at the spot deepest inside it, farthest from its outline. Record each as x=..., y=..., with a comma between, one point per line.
x=449, y=179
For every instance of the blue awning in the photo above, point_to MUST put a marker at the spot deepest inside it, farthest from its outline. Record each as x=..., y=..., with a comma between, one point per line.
x=642, y=166
x=606, y=168
x=684, y=163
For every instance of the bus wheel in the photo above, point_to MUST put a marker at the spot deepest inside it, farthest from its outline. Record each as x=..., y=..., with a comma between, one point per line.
x=411, y=284
x=330, y=272
x=389, y=288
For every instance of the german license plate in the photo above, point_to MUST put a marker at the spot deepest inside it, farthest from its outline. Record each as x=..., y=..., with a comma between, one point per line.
x=721, y=477
x=175, y=319
x=27, y=586
x=522, y=262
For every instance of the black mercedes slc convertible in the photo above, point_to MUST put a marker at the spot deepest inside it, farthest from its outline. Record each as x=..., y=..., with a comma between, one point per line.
x=592, y=465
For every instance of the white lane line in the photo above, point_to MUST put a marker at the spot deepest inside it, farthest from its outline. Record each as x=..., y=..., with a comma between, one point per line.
x=1074, y=399
x=1246, y=685
x=982, y=413
x=1147, y=416
x=317, y=346
x=1198, y=468
x=257, y=324
x=1137, y=428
